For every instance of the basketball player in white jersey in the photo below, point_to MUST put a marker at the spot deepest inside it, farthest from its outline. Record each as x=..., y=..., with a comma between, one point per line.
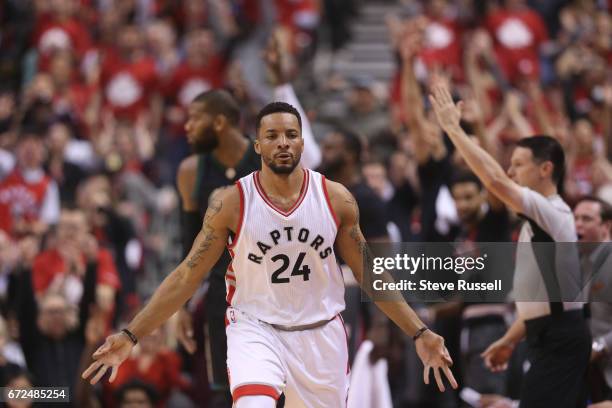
x=284, y=287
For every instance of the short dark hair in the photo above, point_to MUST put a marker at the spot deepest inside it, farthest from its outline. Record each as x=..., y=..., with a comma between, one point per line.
x=352, y=142
x=546, y=148
x=136, y=384
x=605, y=208
x=465, y=177
x=277, y=107
x=220, y=102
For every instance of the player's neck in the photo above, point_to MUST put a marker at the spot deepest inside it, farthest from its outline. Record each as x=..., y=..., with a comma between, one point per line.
x=231, y=149
x=285, y=185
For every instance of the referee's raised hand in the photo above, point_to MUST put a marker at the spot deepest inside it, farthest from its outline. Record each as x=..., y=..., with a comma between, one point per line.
x=434, y=355
x=111, y=354
x=447, y=112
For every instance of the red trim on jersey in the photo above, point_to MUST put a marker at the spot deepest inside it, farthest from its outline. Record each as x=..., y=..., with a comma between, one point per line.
x=348, y=363
x=230, y=268
x=295, y=205
x=255, y=389
x=331, y=209
x=240, y=220
x=230, y=293
x=230, y=277
x=226, y=323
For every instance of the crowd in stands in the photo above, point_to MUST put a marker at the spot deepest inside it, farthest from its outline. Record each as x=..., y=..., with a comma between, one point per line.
x=93, y=103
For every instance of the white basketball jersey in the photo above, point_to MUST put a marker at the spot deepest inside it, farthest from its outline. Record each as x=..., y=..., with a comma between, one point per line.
x=283, y=268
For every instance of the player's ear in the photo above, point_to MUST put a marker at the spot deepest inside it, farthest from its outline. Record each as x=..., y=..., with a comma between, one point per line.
x=256, y=145
x=219, y=123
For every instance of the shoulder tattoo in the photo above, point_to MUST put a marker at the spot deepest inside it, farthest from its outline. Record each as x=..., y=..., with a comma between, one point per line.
x=350, y=199
x=216, y=192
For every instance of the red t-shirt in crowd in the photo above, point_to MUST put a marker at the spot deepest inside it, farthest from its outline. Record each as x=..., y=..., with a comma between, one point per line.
x=188, y=81
x=443, y=45
x=296, y=13
x=127, y=86
x=517, y=37
x=49, y=264
x=50, y=35
x=74, y=101
x=297, y=16
x=164, y=374
x=18, y=198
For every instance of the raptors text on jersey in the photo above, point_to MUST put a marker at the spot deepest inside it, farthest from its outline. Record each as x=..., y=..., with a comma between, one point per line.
x=283, y=268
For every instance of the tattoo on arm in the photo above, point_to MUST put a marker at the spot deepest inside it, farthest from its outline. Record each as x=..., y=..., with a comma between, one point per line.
x=208, y=233
x=215, y=193
x=356, y=235
x=355, y=232
x=353, y=203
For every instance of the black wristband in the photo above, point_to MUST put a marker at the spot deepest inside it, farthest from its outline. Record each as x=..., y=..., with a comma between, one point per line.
x=128, y=333
x=419, y=333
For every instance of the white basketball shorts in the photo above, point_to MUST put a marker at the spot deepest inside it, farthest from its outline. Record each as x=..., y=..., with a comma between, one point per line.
x=309, y=366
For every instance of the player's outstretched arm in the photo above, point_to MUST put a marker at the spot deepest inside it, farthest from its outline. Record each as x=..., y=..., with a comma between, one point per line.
x=177, y=287
x=353, y=248
x=482, y=163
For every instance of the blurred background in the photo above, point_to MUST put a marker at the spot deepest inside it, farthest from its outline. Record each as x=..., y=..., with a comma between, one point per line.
x=93, y=98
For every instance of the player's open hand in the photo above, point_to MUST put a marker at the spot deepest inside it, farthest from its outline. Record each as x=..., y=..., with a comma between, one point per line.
x=111, y=354
x=447, y=112
x=434, y=355
x=496, y=356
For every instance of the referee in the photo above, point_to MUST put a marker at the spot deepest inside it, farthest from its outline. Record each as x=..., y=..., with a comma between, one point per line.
x=557, y=334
